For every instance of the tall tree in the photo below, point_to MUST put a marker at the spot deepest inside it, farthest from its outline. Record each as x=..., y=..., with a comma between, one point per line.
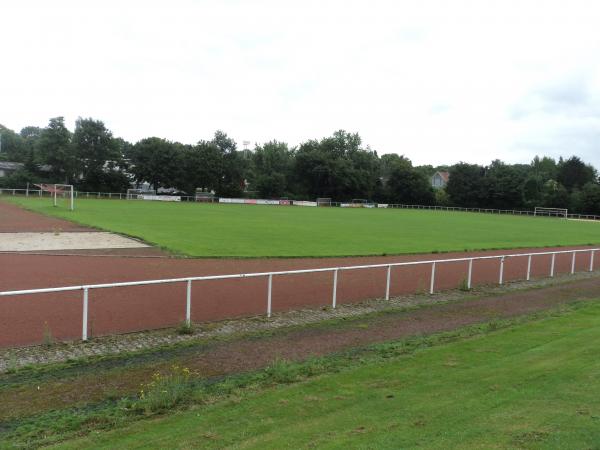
x=95, y=147
x=55, y=150
x=466, y=185
x=12, y=146
x=271, y=166
x=504, y=185
x=156, y=161
x=574, y=173
x=405, y=184
x=336, y=167
x=233, y=177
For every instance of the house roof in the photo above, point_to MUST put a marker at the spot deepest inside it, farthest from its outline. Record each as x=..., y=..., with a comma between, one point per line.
x=445, y=175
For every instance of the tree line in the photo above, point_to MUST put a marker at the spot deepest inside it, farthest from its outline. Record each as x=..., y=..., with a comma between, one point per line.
x=338, y=167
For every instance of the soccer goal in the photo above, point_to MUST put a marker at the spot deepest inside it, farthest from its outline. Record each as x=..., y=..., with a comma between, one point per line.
x=551, y=212
x=60, y=193
x=134, y=194
x=324, y=201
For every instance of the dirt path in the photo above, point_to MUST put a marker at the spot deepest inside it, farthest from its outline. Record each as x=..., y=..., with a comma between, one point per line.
x=94, y=382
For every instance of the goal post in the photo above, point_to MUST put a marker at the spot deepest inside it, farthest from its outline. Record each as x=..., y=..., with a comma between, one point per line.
x=551, y=212
x=134, y=194
x=324, y=201
x=60, y=190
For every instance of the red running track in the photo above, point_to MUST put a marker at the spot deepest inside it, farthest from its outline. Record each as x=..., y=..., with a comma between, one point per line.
x=23, y=319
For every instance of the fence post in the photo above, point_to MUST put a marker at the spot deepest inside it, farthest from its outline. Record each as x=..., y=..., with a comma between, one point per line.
x=573, y=263
x=387, y=284
x=188, y=304
x=501, y=281
x=432, y=285
x=269, y=294
x=335, y=277
x=84, y=328
x=470, y=274
x=529, y=268
x=552, y=264
x=592, y=261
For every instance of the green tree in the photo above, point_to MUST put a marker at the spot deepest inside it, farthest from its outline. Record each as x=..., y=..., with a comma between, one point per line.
x=588, y=199
x=555, y=195
x=12, y=146
x=156, y=161
x=54, y=149
x=503, y=185
x=466, y=186
x=336, y=167
x=271, y=167
x=96, y=150
x=574, y=173
x=231, y=182
x=407, y=185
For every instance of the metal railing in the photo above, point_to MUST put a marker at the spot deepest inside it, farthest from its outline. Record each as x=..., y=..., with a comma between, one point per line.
x=190, y=198
x=334, y=270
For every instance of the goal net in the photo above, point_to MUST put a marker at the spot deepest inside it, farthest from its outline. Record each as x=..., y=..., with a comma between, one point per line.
x=134, y=194
x=551, y=212
x=324, y=201
x=61, y=194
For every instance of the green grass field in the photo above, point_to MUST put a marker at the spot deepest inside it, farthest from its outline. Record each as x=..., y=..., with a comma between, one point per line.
x=205, y=230
x=533, y=385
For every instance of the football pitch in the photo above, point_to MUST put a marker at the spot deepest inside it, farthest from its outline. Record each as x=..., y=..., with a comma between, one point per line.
x=217, y=230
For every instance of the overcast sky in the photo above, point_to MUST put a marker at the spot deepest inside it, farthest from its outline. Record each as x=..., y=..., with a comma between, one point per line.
x=438, y=81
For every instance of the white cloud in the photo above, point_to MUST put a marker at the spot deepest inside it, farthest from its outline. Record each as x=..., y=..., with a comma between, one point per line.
x=438, y=81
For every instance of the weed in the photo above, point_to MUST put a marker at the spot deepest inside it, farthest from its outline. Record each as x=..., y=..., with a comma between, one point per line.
x=282, y=371
x=421, y=289
x=12, y=366
x=185, y=327
x=47, y=338
x=464, y=285
x=494, y=324
x=164, y=391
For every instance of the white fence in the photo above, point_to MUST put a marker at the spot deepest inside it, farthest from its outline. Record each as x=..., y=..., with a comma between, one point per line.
x=334, y=270
x=184, y=198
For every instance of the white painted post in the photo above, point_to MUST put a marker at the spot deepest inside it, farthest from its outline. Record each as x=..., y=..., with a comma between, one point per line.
x=387, y=284
x=529, y=268
x=335, y=278
x=592, y=261
x=470, y=275
x=552, y=264
x=188, y=303
x=269, y=294
x=84, y=329
x=72, y=199
x=432, y=285
x=54, y=195
x=501, y=281
x=573, y=263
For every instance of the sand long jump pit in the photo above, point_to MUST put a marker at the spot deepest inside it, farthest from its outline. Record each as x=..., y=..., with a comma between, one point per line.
x=52, y=241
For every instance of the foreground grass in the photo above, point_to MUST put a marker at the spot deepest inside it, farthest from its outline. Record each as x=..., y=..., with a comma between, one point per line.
x=206, y=230
x=532, y=385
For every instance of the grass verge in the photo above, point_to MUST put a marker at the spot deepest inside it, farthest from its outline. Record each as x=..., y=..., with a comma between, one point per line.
x=294, y=404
